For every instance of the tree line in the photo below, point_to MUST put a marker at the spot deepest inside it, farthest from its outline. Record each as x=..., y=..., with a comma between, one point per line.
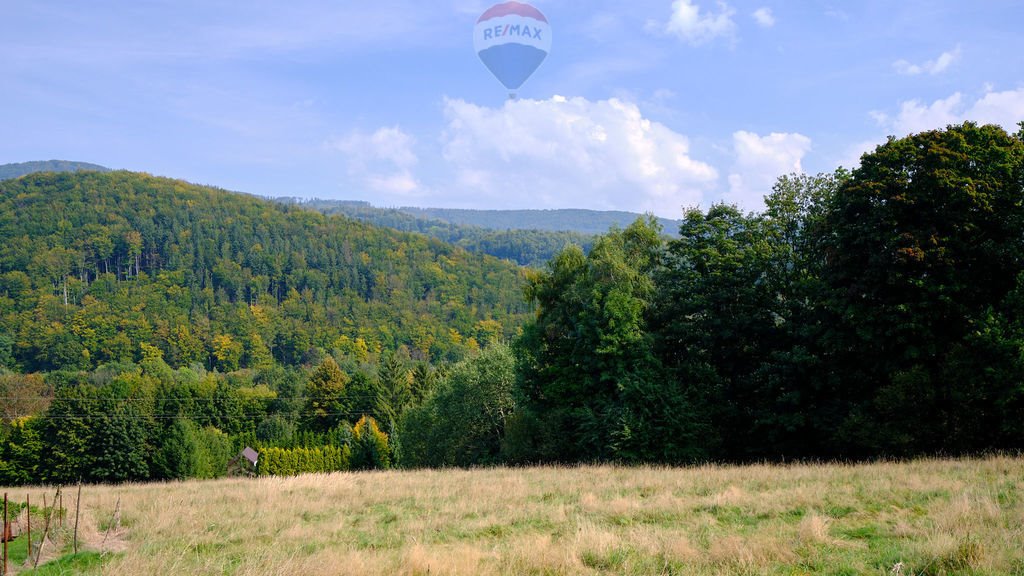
x=148, y=421
x=526, y=247
x=865, y=314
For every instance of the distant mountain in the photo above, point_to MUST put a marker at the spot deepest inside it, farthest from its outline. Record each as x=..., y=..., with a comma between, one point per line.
x=523, y=246
x=587, y=222
x=573, y=220
x=9, y=171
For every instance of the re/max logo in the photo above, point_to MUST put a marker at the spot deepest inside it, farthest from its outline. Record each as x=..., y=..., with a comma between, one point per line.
x=512, y=30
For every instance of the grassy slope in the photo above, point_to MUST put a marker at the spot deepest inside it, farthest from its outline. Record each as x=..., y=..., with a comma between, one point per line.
x=936, y=517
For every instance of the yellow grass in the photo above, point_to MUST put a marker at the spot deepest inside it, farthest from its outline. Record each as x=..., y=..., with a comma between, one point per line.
x=925, y=517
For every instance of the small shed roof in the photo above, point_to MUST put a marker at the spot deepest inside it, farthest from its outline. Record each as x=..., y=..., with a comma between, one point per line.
x=250, y=455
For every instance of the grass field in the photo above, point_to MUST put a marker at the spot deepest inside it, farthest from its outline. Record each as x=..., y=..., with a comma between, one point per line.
x=925, y=517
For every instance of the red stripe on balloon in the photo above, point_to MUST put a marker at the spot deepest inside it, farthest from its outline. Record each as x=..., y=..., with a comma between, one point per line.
x=512, y=9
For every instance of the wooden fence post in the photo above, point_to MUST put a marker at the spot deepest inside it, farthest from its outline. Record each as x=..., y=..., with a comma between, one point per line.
x=46, y=526
x=78, y=504
x=5, y=529
x=28, y=521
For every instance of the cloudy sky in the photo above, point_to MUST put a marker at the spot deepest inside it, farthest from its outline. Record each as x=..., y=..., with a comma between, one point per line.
x=642, y=105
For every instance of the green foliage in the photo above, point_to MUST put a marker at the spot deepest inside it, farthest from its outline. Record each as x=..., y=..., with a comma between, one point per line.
x=296, y=461
x=6, y=351
x=463, y=422
x=20, y=452
x=589, y=375
x=188, y=451
x=864, y=314
x=370, y=450
x=97, y=434
x=424, y=380
x=326, y=404
x=924, y=248
x=394, y=382
x=868, y=314
x=23, y=395
x=276, y=430
x=80, y=563
x=520, y=241
x=93, y=265
x=719, y=319
x=365, y=396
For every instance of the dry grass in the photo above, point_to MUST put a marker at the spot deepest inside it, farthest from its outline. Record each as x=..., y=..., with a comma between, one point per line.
x=934, y=517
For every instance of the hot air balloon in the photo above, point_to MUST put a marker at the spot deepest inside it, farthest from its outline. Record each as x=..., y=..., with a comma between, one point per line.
x=512, y=39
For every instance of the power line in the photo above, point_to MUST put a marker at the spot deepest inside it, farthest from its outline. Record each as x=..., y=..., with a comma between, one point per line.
x=169, y=398
x=195, y=417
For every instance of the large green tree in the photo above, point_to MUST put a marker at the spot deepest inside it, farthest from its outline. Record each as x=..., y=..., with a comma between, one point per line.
x=326, y=403
x=921, y=249
x=462, y=423
x=591, y=385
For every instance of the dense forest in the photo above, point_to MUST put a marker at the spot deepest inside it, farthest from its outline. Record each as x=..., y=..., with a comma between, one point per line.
x=869, y=314
x=862, y=315
x=526, y=247
x=121, y=292
x=92, y=266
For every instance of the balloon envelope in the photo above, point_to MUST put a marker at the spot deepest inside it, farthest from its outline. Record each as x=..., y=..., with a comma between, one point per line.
x=512, y=39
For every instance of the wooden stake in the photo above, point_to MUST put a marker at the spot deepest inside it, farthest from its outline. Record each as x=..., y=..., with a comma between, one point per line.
x=46, y=527
x=116, y=518
x=78, y=503
x=5, y=534
x=28, y=521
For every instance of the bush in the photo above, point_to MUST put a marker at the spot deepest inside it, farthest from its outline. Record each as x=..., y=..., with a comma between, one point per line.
x=295, y=461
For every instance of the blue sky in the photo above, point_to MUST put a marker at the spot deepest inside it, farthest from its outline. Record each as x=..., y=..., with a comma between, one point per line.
x=642, y=105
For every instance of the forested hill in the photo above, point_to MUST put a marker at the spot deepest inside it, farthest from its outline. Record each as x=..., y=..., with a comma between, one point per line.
x=8, y=171
x=109, y=267
x=525, y=247
x=572, y=220
x=588, y=222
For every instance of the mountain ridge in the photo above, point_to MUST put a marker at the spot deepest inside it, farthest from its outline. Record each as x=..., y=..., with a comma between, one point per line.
x=579, y=220
x=19, y=169
x=526, y=247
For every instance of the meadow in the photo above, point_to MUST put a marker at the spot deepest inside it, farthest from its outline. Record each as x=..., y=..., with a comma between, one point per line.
x=921, y=517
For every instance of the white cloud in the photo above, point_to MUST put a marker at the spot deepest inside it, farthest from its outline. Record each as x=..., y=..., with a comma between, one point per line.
x=1003, y=108
x=760, y=160
x=695, y=26
x=906, y=68
x=570, y=152
x=917, y=117
x=850, y=158
x=764, y=17
x=397, y=184
x=932, y=67
x=382, y=161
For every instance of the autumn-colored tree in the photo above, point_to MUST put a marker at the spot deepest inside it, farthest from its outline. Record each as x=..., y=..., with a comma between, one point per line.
x=326, y=404
x=370, y=450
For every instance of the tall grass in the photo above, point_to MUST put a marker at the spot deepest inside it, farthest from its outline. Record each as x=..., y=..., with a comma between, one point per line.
x=924, y=517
